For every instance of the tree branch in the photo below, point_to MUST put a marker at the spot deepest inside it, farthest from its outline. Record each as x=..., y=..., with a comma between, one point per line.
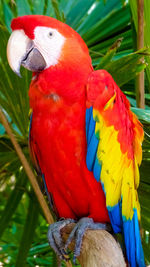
x=99, y=249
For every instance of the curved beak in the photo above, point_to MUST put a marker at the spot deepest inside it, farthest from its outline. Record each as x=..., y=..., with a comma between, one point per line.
x=22, y=51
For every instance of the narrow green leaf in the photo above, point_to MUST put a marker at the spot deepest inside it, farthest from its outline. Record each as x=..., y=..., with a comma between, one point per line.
x=49, y=10
x=2, y=129
x=125, y=48
x=142, y=114
x=127, y=67
x=39, y=249
x=13, y=201
x=13, y=90
x=74, y=17
x=67, y=6
x=8, y=15
x=109, y=55
x=38, y=7
x=99, y=12
x=28, y=232
x=58, y=14
x=110, y=25
x=133, y=103
x=23, y=7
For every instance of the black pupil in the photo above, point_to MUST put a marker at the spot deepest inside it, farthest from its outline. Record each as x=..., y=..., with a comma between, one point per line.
x=50, y=33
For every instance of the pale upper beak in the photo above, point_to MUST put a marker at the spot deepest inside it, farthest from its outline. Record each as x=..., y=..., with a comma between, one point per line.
x=22, y=51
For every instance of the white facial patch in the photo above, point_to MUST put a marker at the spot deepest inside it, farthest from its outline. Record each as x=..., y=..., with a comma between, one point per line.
x=49, y=42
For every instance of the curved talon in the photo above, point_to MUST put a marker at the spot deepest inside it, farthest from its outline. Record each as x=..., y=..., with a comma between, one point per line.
x=55, y=239
x=56, y=242
x=53, y=244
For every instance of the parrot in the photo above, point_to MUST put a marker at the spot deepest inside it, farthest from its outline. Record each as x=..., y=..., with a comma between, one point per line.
x=84, y=140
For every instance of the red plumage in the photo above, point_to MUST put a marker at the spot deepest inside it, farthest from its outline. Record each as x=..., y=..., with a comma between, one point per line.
x=58, y=136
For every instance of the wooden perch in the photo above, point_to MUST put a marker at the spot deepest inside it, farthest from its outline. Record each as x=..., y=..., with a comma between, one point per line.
x=99, y=249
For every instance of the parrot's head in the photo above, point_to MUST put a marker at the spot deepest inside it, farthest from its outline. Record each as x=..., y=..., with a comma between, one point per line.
x=40, y=42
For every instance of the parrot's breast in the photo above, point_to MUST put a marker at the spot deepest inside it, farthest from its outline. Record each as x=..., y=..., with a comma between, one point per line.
x=58, y=138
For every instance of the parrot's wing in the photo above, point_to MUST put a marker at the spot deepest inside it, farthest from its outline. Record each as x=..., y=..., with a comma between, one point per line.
x=114, y=153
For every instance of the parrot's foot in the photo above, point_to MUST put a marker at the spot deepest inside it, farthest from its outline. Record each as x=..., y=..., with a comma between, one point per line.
x=55, y=239
x=56, y=242
x=79, y=230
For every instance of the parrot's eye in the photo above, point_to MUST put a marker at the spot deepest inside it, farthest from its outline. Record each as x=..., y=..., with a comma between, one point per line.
x=50, y=34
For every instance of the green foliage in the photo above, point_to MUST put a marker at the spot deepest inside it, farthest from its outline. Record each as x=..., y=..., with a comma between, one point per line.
x=13, y=201
x=28, y=232
x=133, y=5
x=103, y=25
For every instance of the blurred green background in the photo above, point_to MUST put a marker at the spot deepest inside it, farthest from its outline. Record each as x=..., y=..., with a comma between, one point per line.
x=109, y=28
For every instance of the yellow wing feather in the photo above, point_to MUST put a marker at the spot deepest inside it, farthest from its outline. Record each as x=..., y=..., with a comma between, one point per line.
x=120, y=175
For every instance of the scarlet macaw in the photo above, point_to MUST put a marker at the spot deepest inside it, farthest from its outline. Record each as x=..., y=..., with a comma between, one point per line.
x=84, y=139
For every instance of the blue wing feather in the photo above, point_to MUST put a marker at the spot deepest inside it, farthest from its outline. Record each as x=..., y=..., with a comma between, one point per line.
x=90, y=124
x=91, y=152
x=92, y=145
x=115, y=217
x=97, y=169
x=133, y=241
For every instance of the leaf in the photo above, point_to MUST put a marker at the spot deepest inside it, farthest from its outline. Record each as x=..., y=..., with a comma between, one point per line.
x=58, y=14
x=13, y=94
x=49, y=10
x=127, y=67
x=142, y=114
x=28, y=233
x=2, y=129
x=74, y=16
x=13, y=201
x=103, y=46
x=23, y=7
x=38, y=7
x=9, y=161
x=8, y=15
x=109, y=55
x=99, y=12
x=39, y=249
x=133, y=102
x=109, y=25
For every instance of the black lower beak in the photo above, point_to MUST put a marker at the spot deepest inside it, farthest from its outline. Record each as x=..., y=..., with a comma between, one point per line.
x=33, y=60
